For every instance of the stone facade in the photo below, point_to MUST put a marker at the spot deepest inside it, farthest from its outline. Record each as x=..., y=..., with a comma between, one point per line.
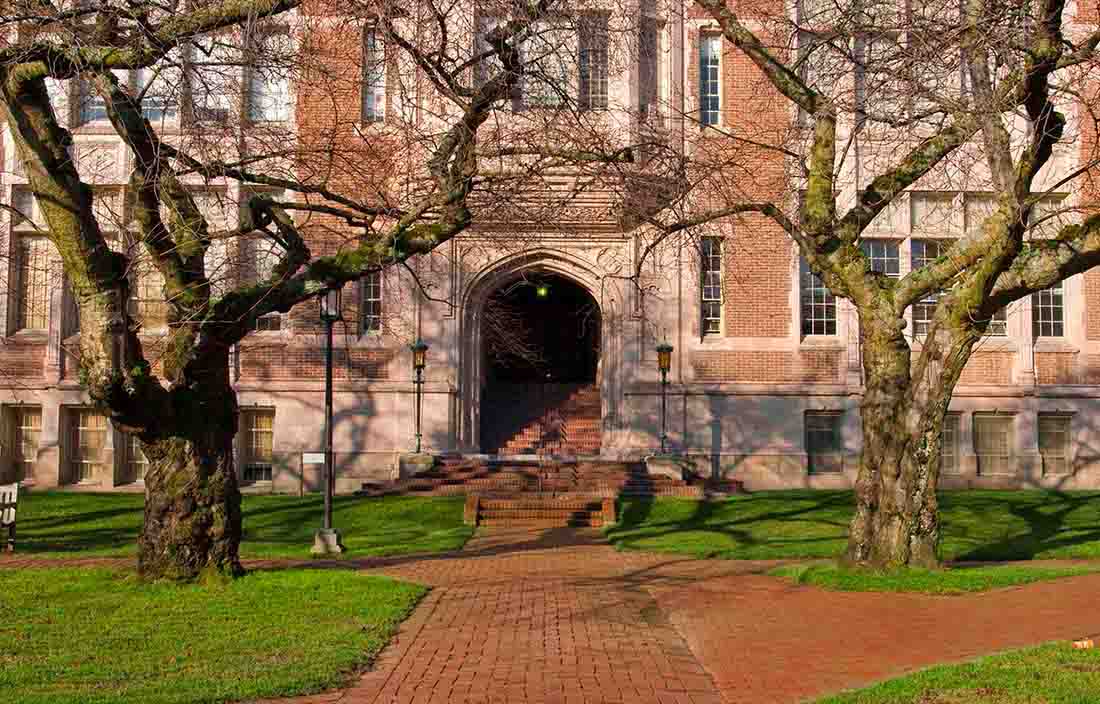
x=742, y=398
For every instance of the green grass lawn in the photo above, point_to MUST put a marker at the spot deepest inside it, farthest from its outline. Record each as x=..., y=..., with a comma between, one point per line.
x=1049, y=674
x=97, y=636
x=64, y=524
x=977, y=525
x=957, y=580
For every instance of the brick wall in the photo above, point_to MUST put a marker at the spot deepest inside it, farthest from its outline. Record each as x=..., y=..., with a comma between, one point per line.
x=21, y=360
x=819, y=366
x=1056, y=368
x=987, y=368
x=286, y=362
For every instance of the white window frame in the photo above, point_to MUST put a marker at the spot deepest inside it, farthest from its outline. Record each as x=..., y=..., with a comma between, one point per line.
x=1057, y=461
x=807, y=275
x=376, y=320
x=78, y=465
x=248, y=432
x=283, y=112
x=710, y=52
x=16, y=434
x=995, y=463
x=710, y=285
x=373, y=103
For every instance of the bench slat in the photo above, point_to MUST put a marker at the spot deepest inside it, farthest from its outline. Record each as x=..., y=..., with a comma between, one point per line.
x=9, y=496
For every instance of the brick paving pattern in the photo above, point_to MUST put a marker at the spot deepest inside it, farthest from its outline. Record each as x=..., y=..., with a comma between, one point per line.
x=559, y=616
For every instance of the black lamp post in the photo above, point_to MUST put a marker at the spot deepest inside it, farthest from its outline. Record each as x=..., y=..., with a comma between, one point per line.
x=420, y=360
x=664, y=363
x=327, y=540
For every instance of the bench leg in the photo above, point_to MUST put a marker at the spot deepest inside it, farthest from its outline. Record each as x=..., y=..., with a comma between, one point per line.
x=11, y=538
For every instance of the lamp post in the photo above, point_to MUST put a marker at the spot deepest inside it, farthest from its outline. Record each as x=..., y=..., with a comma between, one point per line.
x=420, y=360
x=327, y=540
x=664, y=363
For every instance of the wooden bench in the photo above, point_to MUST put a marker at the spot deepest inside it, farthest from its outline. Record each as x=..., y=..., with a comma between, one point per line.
x=9, y=497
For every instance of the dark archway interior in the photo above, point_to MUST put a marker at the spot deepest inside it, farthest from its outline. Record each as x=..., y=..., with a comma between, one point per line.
x=541, y=341
x=541, y=329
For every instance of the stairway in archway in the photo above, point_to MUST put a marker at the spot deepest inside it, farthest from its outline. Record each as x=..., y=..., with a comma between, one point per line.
x=541, y=419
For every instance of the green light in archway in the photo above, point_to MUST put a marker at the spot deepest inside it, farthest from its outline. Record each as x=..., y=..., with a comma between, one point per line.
x=542, y=290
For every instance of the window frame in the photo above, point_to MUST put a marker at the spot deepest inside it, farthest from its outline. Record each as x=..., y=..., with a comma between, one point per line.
x=1063, y=456
x=711, y=281
x=593, y=93
x=828, y=460
x=949, y=438
x=999, y=464
x=828, y=302
x=16, y=433
x=375, y=303
x=712, y=39
x=76, y=462
x=262, y=35
x=1044, y=301
x=373, y=88
x=248, y=448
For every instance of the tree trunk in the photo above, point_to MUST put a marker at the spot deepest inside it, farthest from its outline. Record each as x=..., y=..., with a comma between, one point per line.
x=896, y=523
x=192, y=502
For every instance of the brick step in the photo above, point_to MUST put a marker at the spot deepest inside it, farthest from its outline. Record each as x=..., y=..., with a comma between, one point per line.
x=500, y=506
x=513, y=523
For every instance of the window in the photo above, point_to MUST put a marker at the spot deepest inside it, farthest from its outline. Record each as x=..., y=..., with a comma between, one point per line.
x=137, y=465
x=268, y=82
x=933, y=213
x=549, y=54
x=1054, y=443
x=260, y=255
x=925, y=252
x=159, y=89
x=374, y=76
x=370, y=287
x=993, y=443
x=949, y=444
x=710, y=52
x=711, y=266
x=998, y=324
x=648, y=67
x=32, y=300
x=593, y=61
x=977, y=207
x=258, y=429
x=212, y=78
x=25, y=423
x=818, y=303
x=1047, y=312
x=88, y=438
x=824, y=445
x=93, y=108
x=147, y=304
x=883, y=255
x=490, y=64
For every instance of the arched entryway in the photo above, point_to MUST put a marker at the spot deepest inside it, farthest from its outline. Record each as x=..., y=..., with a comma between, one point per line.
x=540, y=346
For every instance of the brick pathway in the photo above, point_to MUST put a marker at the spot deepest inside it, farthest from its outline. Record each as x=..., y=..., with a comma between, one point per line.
x=557, y=616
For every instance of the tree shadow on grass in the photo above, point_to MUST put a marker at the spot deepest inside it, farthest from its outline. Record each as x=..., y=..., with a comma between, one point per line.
x=756, y=521
x=1054, y=522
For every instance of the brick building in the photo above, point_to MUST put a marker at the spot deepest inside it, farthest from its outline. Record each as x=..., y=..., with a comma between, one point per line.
x=766, y=378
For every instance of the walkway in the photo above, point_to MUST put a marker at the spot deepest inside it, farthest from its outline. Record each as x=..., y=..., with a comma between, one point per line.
x=562, y=617
x=558, y=616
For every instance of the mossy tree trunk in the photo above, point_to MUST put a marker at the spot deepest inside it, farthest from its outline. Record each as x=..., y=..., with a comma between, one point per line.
x=896, y=522
x=192, y=501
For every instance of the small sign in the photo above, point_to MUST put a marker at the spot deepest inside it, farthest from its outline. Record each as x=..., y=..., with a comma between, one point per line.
x=313, y=458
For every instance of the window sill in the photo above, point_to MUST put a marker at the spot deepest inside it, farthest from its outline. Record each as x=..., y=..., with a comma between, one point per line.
x=819, y=342
x=1054, y=344
x=29, y=336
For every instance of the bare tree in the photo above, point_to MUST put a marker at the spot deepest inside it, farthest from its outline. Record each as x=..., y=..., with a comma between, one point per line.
x=184, y=410
x=969, y=97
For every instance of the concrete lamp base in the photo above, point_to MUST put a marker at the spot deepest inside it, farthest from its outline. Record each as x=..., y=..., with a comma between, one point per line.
x=327, y=542
x=412, y=464
x=671, y=466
